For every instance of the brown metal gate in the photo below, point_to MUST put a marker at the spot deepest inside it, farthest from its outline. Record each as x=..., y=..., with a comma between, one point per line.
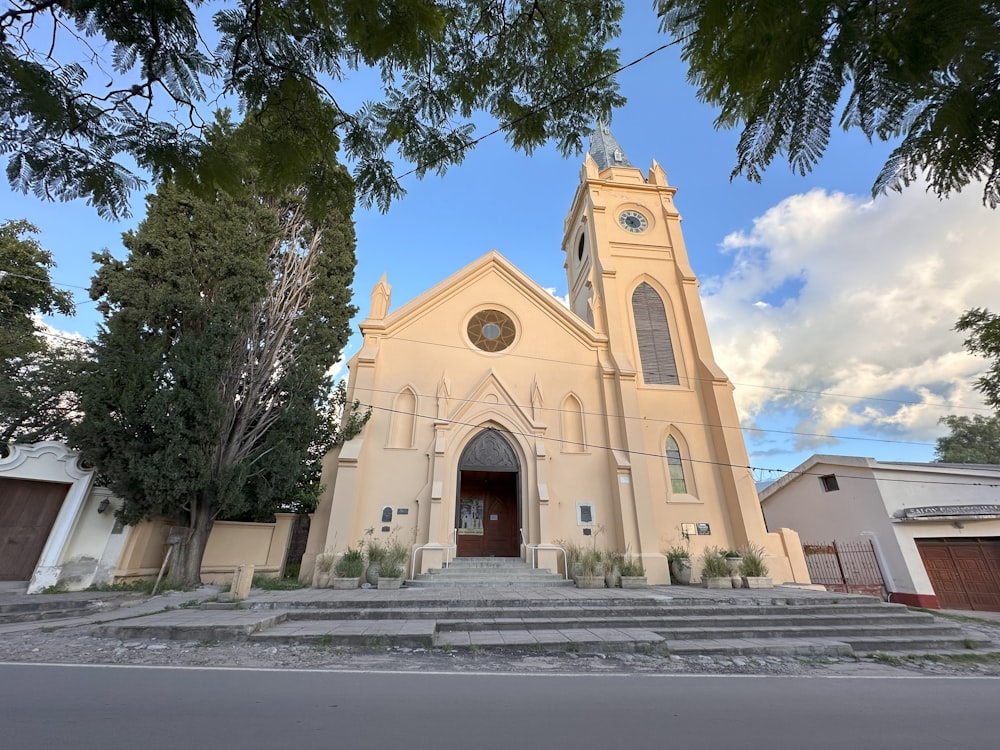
x=850, y=567
x=965, y=573
x=27, y=512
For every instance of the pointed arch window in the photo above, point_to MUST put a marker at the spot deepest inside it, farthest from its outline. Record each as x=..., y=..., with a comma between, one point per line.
x=656, y=351
x=678, y=484
x=402, y=419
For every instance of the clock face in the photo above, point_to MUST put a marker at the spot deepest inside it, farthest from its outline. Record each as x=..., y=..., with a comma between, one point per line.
x=632, y=221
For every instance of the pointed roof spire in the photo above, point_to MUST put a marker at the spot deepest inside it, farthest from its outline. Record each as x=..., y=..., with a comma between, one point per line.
x=605, y=149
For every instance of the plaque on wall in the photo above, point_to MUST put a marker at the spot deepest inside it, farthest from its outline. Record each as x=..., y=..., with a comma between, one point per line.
x=704, y=529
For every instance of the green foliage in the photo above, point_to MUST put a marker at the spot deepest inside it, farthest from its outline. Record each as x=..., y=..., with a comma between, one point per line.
x=713, y=563
x=351, y=564
x=540, y=66
x=752, y=563
x=25, y=290
x=972, y=440
x=983, y=328
x=219, y=330
x=678, y=553
x=920, y=71
x=37, y=375
x=393, y=560
x=270, y=583
x=632, y=567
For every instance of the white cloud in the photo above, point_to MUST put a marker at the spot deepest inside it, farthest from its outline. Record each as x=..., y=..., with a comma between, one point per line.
x=563, y=300
x=857, y=299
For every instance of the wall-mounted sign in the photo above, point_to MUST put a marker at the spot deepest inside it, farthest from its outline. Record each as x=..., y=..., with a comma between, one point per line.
x=689, y=529
x=936, y=512
x=402, y=511
x=704, y=529
x=386, y=514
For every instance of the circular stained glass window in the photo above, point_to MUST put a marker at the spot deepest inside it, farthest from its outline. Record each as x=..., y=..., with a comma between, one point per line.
x=491, y=330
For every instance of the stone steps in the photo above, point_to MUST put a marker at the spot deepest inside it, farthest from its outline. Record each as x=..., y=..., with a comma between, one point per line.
x=487, y=572
x=613, y=621
x=46, y=608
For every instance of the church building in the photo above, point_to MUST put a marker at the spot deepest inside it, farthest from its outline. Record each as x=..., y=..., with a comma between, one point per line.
x=504, y=424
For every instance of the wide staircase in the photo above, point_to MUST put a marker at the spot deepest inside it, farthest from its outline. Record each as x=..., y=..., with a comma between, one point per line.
x=560, y=620
x=487, y=572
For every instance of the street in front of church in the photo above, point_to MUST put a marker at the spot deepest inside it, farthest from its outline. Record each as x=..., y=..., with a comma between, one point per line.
x=98, y=707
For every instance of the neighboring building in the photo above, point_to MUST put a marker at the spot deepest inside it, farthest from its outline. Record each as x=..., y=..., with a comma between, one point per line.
x=935, y=526
x=57, y=529
x=502, y=420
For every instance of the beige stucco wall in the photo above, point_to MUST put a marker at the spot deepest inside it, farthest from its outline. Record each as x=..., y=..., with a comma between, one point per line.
x=230, y=544
x=419, y=356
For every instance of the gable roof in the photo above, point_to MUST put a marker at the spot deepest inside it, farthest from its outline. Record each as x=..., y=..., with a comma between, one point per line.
x=492, y=263
x=805, y=469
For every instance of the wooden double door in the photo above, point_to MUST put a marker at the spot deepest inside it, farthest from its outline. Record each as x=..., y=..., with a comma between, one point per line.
x=965, y=573
x=486, y=516
x=28, y=511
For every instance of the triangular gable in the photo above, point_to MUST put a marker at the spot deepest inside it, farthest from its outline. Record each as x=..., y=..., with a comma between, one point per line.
x=490, y=263
x=490, y=394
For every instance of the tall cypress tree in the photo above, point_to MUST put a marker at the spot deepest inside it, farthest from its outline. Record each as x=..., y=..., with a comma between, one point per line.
x=219, y=329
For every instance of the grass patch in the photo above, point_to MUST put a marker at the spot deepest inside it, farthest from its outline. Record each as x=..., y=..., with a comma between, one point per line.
x=957, y=618
x=277, y=584
x=57, y=588
x=324, y=641
x=190, y=604
x=137, y=586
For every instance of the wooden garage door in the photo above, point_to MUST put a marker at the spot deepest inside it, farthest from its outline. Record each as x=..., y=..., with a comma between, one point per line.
x=27, y=512
x=965, y=573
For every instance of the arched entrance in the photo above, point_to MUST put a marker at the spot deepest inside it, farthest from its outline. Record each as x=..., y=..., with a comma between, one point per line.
x=487, y=511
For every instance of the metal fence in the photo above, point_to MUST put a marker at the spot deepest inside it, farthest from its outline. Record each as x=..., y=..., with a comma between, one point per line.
x=850, y=567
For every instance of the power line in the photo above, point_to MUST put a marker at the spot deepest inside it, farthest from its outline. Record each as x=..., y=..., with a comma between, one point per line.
x=631, y=452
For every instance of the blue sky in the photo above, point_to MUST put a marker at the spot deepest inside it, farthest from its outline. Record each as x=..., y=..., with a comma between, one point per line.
x=831, y=313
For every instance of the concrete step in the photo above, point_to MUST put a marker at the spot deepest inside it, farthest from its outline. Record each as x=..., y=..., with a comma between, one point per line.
x=46, y=608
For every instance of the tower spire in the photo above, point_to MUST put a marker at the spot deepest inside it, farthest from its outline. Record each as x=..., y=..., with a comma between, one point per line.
x=604, y=149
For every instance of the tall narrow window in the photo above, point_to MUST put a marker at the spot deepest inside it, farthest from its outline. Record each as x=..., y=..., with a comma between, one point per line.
x=656, y=352
x=402, y=419
x=678, y=485
x=573, y=437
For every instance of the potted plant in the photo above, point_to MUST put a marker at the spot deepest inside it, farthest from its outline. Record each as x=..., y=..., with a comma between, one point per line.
x=633, y=574
x=754, y=569
x=613, y=562
x=733, y=558
x=322, y=572
x=573, y=567
x=348, y=570
x=374, y=552
x=714, y=570
x=679, y=560
x=392, y=565
x=592, y=570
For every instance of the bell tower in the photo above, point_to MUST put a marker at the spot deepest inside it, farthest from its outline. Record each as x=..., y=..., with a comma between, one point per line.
x=671, y=419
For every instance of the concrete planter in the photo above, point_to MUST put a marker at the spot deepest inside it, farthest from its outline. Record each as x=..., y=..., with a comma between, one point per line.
x=633, y=582
x=758, y=582
x=389, y=583
x=321, y=580
x=590, y=582
x=719, y=583
x=344, y=583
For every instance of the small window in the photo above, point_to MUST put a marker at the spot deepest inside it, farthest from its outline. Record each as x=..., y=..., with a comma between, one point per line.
x=678, y=485
x=829, y=483
x=579, y=249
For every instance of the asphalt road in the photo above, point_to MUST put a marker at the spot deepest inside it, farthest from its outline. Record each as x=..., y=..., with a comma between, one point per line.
x=85, y=707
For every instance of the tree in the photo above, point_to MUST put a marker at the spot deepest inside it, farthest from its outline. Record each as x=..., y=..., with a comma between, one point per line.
x=219, y=330
x=25, y=290
x=88, y=85
x=973, y=440
x=984, y=340
x=36, y=373
x=922, y=71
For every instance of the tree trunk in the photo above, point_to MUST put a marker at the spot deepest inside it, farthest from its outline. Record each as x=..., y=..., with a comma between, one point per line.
x=185, y=566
